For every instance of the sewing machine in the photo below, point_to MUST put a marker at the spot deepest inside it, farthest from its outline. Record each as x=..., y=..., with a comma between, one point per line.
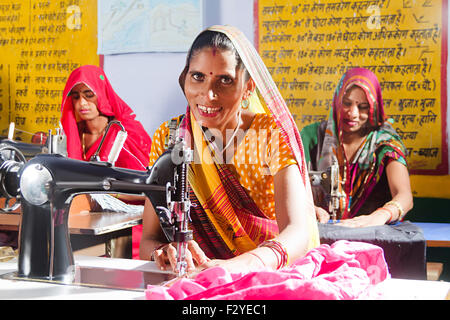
x=47, y=183
x=50, y=143
x=13, y=153
x=327, y=181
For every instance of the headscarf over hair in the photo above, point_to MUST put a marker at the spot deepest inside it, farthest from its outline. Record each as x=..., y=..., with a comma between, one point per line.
x=274, y=102
x=381, y=145
x=366, y=80
x=136, y=150
x=225, y=220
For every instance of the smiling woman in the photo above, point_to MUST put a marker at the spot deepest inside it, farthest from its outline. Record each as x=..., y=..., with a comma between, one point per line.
x=214, y=88
x=252, y=206
x=373, y=172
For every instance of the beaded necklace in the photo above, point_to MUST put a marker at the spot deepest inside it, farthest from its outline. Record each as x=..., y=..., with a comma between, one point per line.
x=230, y=141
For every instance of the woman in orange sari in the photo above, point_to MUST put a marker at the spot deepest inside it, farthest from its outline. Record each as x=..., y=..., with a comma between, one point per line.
x=252, y=202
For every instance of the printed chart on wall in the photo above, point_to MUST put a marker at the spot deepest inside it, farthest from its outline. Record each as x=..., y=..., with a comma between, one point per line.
x=41, y=42
x=148, y=25
x=308, y=45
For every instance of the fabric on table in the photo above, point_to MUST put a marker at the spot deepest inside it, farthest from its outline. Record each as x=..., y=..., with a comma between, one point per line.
x=343, y=270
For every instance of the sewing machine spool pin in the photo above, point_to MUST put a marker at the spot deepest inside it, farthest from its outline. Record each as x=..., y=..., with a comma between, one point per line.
x=334, y=193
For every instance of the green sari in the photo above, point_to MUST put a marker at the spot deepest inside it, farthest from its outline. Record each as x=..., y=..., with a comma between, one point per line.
x=363, y=180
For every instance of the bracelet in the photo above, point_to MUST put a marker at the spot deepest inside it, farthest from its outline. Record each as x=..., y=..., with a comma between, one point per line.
x=152, y=258
x=259, y=258
x=398, y=206
x=279, y=250
x=389, y=211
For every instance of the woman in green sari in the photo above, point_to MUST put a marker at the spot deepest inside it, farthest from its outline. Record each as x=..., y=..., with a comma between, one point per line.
x=373, y=172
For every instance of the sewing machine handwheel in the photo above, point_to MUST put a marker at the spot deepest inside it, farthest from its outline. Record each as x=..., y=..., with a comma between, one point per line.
x=17, y=156
x=14, y=154
x=10, y=207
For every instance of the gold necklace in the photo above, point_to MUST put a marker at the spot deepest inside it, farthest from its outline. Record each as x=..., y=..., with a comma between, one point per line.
x=83, y=142
x=83, y=146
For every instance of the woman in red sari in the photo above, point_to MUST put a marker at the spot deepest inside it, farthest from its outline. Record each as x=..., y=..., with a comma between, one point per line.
x=89, y=104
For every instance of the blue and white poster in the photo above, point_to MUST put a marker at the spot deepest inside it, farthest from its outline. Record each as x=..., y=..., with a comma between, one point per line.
x=126, y=26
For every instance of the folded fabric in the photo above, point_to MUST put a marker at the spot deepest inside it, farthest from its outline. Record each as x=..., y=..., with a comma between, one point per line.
x=344, y=270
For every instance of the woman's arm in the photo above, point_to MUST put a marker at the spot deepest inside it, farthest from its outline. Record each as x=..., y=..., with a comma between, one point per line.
x=292, y=207
x=131, y=198
x=400, y=187
x=152, y=234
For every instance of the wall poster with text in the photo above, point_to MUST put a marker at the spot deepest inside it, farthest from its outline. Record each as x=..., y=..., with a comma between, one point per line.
x=308, y=45
x=41, y=42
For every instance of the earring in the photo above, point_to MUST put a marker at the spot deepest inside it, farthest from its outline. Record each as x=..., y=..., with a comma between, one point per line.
x=245, y=103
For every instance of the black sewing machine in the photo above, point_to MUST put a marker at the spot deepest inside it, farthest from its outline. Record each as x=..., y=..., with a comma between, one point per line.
x=47, y=183
x=20, y=152
x=327, y=182
x=403, y=244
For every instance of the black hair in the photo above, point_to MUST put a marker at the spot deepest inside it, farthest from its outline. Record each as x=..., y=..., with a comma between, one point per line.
x=215, y=39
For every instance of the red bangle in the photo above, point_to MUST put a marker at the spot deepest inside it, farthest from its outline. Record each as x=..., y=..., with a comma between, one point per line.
x=279, y=250
x=396, y=204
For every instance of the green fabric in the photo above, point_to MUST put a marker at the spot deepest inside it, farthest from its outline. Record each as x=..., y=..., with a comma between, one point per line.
x=309, y=139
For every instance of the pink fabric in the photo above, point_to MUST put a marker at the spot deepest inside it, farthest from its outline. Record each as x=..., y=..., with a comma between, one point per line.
x=344, y=270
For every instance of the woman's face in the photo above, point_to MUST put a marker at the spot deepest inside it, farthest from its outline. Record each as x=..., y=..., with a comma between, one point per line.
x=84, y=102
x=214, y=87
x=355, y=110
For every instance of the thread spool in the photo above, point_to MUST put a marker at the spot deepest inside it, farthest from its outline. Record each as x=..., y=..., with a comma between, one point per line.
x=117, y=146
x=12, y=126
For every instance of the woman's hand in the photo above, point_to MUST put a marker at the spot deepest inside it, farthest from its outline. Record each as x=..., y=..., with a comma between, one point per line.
x=322, y=215
x=231, y=265
x=246, y=262
x=166, y=257
x=377, y=218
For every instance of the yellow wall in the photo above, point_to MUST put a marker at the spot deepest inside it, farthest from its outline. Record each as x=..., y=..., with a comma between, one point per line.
x=308, y=45
x=427, y=186
x=41, y=42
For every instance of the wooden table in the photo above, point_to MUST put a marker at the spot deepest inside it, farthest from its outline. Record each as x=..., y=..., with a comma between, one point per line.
x=90, y=232
x=84, y=223
x=436, y=234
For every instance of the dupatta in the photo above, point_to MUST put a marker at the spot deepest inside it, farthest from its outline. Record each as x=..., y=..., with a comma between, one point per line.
x=381, y=144
x=225, y=220
x=135, y=151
